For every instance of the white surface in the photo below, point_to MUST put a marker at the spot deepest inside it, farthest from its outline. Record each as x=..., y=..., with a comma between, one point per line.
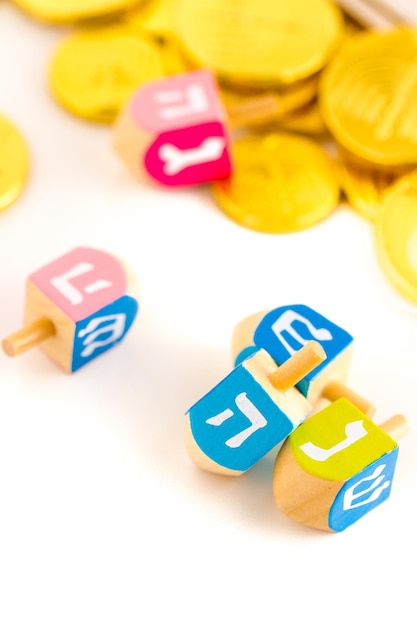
x=104, y=521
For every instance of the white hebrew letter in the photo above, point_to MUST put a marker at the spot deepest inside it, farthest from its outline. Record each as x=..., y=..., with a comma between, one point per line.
x=250, y=411
x=63, y=285
x=176, y=160
x=284, y=323
x=354, y=431
x=115, y=326
x=177, y=103
x=375, y=487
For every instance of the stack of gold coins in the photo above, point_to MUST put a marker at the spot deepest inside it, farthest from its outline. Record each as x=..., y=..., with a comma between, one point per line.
x=368, y=99
x=277, y=48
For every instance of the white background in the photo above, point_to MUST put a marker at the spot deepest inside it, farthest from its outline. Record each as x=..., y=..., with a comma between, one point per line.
x=103, y=519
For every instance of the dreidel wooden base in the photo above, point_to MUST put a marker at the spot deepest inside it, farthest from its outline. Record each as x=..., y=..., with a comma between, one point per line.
x=336, y=467
x=76, y=308
x=249, y=412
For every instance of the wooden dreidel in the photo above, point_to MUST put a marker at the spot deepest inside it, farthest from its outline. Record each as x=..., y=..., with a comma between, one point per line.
x=176, y=130
x=336, y=467
x=249, y=412
x=76, y=308
x=282, y=331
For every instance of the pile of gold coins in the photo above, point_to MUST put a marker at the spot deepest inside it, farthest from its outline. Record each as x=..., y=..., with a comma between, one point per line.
x=344, y=124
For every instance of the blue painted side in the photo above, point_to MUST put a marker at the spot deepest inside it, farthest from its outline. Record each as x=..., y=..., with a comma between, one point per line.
x=102, y=330
x=283, y=331
x=244, y=354
x=363, y=492
x=238, y=393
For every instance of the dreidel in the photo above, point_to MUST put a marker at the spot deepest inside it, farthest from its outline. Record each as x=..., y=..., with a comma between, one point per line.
x=284, y=330
x=76, y=307
x=249, y=412
x=336, y=466
x=176, y=130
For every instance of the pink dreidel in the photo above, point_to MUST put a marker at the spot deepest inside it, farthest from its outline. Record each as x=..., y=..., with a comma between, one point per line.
x=176, y=130
x=76, y=308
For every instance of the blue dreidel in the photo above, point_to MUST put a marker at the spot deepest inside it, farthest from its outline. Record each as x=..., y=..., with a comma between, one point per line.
x=249, y=412
x=283, y=331
x=336, y=467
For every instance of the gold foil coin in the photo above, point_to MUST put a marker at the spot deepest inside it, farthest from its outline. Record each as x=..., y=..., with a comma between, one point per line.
x=262, y=44
x=95, y=71
x=396, y=236
x=368, y=96
x=69, y=11
x=280, y=183
x=14, y=163
x=365, y=186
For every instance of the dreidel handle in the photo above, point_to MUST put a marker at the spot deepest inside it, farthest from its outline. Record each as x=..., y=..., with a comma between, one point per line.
x=336, y=389
x=396, y=426
x=262, y=108
x=28, y=337
x=297, y=366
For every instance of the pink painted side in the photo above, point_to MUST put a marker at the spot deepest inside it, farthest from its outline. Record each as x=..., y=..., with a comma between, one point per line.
x=185, y=140
x=82, y=281
x=180, y=101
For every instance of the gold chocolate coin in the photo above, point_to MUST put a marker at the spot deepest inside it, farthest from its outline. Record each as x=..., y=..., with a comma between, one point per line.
x=368, y=96
x=95, y=71
x=69, y=11
x=280, y=183
x=396, y=236
x=366, y=186
x=263, y=44
x=14, y=163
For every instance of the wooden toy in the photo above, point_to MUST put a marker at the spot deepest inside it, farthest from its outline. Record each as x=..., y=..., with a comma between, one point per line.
x=284, y=330
x=176, y=130
x=249, y=412
x=76, y=308
x=336, y=467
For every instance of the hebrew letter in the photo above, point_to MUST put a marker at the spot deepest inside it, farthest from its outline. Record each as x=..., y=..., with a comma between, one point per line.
x=250, y=411
x=376, y=488
x=176, y=160
x=74, y=296
x=116, y=325
x=177, y=103
x=354, y=432
x=284, y=324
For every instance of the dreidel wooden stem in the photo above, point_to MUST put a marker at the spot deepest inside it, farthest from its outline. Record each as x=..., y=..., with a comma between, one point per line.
x=28, y=337
x=396, y=426
x=261, y=108
x=299, y=365
x=336, y=389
